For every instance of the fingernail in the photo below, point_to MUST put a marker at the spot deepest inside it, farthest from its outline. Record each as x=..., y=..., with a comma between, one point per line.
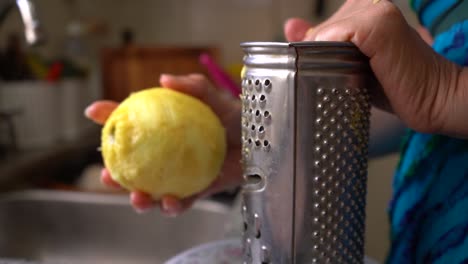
x=107, y=180
x=309, y=31
x=170, y=207
x=171, y=214
x=88, y=110
x=142, y=210
x=102, y=179
x=165, y=76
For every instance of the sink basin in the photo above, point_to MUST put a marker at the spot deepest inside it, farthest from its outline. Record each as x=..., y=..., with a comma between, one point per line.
x=73, y=227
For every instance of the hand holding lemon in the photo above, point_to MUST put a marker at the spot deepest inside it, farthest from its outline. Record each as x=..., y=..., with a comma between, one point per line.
x=170, y=146
x=163, y=142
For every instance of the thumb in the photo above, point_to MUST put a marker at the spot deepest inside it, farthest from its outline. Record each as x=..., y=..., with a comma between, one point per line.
x=295, y=29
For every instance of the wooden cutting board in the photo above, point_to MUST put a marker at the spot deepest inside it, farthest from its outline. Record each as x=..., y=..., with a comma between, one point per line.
x=132, y=68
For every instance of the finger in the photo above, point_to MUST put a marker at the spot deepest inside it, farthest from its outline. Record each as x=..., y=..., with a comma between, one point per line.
x=99, y=111
x=425, y=35
x=172, y=206
x=295, y=29
x=200, y=87
x=141, y=201
x=185, y=84
x=195, y=85
x=340, y=28
x=218, y=99
x=374, y=32
x=107, y=180
x=331, y=32
x=348, y=11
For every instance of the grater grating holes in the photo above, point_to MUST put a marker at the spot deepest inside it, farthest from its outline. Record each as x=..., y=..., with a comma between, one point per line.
x=251, y=112
x=340, y=166
x=262, y=101
x=257, y=143
x=256, y=121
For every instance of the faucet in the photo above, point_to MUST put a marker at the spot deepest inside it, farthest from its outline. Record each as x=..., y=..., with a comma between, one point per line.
x=34, y=36
x=32, y=28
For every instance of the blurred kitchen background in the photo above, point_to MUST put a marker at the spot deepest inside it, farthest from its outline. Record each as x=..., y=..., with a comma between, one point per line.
x=107, y=48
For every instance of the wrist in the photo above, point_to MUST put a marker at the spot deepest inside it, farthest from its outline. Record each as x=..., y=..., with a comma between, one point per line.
x=455, y=118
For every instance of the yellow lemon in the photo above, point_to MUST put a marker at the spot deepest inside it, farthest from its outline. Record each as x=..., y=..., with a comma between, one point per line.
x=163, y=142
x=242, y=73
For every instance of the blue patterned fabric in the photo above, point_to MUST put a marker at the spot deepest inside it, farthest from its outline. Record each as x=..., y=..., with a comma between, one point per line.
x=429, y=208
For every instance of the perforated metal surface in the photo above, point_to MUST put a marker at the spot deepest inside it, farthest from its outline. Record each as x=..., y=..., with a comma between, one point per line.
x=333, y=168
x=305, y=133
x=256, y=117
x=263, y=147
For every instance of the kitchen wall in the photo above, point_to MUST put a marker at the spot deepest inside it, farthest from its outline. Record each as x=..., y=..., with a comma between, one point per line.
x=222, y=22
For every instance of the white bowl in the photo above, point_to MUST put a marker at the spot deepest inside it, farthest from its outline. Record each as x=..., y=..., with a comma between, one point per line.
x=224, y=251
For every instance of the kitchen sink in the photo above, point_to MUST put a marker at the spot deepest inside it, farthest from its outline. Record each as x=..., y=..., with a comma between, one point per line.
x=75, y=227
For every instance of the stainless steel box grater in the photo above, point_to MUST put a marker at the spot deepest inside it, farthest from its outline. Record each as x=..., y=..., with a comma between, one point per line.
x=305, y=130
